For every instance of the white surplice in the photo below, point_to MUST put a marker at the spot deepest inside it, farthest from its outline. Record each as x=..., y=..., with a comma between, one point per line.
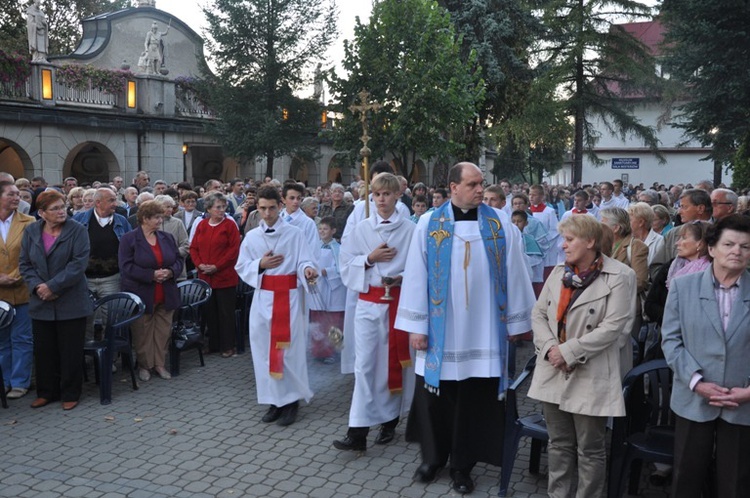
x=300, y=220
x=357, y=215
x=331, y=290
x=548, y=217
x=470, y=350
x=289, y=241
x=372, y=402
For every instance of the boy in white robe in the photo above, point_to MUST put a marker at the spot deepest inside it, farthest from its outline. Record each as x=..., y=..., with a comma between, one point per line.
x=275, y=260
x=372, y=262
x=358, y=214
x=327, y=305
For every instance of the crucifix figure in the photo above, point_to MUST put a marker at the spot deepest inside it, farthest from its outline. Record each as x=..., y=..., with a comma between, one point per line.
x=361, y=109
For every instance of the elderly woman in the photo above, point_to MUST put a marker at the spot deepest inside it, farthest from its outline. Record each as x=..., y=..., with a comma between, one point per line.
x=692, y=257
x=149, y=263
x=214, y=252
x=706, y=342
x=310, y=206
x=662, y=220
x=580, y=321
x=53, y=260
x=16, y=342
x=75, y=201
x=627, y=249
x=88, y=198
x=176, y=228
x=641, y=220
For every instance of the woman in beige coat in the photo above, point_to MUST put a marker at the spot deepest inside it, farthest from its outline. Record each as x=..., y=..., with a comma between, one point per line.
x=580, y=322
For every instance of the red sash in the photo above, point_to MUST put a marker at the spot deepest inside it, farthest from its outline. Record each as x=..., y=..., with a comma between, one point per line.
x=398, y=341
x=281, y=329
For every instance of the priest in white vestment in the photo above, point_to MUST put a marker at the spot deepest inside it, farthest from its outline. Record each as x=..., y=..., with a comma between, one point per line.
x=383, y=374
x=459, y=319
x=275, y=260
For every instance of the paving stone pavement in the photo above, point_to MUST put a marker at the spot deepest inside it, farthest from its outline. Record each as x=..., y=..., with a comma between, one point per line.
x=200, y=435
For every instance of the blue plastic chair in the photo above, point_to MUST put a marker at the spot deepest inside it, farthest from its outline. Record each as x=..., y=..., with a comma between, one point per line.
x=516, y=427
x=121, y=309
x=194, y=293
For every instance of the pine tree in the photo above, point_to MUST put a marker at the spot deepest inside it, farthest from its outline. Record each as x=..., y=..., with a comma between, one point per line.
x=262, y=50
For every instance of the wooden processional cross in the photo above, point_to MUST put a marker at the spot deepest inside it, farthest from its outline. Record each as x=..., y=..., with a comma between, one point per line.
x=361, y=109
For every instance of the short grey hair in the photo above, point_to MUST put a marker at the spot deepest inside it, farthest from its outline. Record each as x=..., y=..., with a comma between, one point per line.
x=653, y=196
x=729, y=195
x=212, y=197
x=143, y=197
x=617, y=217
x=308, y=201
x=165, y=200
x=336, y=186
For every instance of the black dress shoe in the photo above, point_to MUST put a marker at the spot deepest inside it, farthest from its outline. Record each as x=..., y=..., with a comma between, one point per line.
x=273, y=413
x=350, y=444
x=385, y=435
x=426, y=473
x=462, y=482
x=288, y=414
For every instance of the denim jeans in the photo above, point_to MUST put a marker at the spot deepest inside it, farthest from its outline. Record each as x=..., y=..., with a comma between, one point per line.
x=17, y=350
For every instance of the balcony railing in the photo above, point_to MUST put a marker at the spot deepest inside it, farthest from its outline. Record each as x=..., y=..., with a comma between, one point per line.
x=11, y=91
x=88, y=96
x=187, y=103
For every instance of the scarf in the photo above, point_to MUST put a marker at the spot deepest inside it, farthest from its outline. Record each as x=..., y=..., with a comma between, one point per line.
x=539, y=208
x=682, y=266
x=439, y=248
x=574, y=282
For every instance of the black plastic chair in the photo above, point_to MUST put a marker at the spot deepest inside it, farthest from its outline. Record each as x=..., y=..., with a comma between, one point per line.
x=516, y=427
x=242, y=314
x=193, y=294
x=7, y=314
x=646, y=433
x=121, y=310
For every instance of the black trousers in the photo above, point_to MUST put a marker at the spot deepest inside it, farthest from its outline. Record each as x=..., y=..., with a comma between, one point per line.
x=220, y=319
x=58, y=358
x=695, y=445
x=464, y=423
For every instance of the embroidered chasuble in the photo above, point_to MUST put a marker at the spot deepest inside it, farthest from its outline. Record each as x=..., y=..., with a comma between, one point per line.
x=478, y=291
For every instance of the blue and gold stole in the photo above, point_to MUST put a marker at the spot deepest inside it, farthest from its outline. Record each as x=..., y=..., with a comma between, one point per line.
x=439, y=245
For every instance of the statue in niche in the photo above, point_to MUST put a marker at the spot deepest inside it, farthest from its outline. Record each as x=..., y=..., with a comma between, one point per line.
x=38, y=30
x=318, y=84
x=154, y=48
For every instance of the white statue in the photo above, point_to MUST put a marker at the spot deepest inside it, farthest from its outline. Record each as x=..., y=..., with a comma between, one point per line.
x=36, y=23
x=318, y=84
x=154, y=48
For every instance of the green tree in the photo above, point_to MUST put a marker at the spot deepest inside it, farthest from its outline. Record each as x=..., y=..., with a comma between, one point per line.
x=63, y=16
x=262, y=49
x=13, y=38
x=409, y=58
x=598, y=65
x=541, y=130
x=500, y=33
x=707, y=53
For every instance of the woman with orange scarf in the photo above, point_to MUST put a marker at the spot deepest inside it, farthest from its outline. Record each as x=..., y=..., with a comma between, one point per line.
x=582, y=318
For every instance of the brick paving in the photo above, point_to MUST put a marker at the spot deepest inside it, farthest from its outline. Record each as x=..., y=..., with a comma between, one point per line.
x=200, y=434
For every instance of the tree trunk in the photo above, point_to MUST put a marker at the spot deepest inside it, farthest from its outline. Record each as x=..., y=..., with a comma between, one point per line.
x=579, y=109
x=269, y=163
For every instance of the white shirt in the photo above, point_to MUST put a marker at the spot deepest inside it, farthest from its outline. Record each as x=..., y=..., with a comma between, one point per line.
x=5, y=226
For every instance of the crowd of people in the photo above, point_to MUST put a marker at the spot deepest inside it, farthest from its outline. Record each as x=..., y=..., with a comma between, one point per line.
x=428, y=290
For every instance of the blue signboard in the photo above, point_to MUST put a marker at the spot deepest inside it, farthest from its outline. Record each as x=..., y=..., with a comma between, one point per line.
x=625, y=163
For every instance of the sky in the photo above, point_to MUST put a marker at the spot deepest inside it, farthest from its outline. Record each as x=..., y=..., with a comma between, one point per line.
x=189, y=12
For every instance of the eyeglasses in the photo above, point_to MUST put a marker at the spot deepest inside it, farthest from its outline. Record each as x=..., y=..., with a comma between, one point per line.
x=717, y=203
x=55, y=208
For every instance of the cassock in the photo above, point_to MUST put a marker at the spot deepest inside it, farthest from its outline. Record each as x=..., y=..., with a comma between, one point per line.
x=358, y=214
x=373, y=401
x=288, y=240
x=464, y=420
